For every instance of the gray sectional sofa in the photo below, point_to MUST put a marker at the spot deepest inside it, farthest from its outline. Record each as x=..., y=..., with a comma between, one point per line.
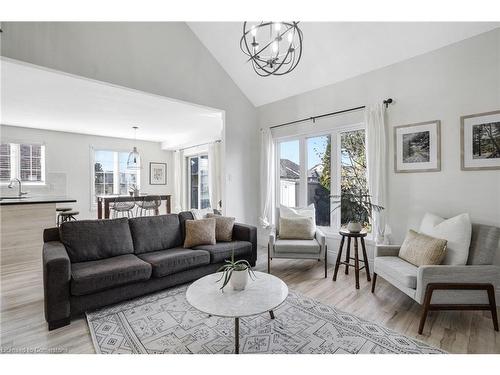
x=89, y=264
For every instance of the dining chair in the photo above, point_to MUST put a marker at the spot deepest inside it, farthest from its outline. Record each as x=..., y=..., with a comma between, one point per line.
x=148, y=204
x=120, y=208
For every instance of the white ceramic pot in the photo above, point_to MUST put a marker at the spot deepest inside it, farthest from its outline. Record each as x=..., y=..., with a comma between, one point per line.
x=239, y=280
x=354, y=227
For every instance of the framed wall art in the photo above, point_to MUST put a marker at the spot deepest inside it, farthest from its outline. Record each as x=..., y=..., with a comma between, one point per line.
x=157, y=173
x=417, y=147
x=480, y=141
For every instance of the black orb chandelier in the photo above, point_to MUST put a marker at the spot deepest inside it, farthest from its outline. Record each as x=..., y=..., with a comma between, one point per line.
x=274, y=48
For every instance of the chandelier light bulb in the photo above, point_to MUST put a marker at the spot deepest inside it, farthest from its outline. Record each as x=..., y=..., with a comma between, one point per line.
x=277, y=26
x=275, y=46
x=253, y=31
x=290, y=37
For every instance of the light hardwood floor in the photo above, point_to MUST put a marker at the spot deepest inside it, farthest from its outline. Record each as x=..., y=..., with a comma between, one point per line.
x=23, y=326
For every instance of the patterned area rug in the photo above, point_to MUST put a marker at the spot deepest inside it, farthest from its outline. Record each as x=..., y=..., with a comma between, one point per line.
x=166, y=323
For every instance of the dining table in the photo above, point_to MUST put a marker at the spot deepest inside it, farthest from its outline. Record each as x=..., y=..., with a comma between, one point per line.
x=103, y=202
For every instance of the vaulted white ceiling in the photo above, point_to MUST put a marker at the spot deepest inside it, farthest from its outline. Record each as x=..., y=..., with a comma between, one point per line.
x=332, y=52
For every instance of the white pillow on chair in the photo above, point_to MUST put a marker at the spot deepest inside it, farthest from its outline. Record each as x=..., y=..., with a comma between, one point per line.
x=456, y=230
x=291, y=212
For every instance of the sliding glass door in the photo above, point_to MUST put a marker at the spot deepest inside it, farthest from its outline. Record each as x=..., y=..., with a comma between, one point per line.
x=198, y=187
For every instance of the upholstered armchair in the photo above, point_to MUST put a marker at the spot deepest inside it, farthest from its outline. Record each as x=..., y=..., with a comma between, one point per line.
x=296, y=249
x=444, y=287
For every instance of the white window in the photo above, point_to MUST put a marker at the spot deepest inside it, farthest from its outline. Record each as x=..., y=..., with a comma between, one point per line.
x=110, y=173
x=197, y=184
x=314, y=167
x=24, y=161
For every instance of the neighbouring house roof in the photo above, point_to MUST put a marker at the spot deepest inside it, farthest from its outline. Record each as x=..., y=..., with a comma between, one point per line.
x=291, y=170
x=314, y=173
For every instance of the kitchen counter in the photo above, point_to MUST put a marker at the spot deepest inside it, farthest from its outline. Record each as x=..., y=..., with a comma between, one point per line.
x=35, y=200
x=23, y=221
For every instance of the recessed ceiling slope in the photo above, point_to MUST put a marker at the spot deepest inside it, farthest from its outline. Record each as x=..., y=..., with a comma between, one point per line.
x=332, y=51
x=36, y=97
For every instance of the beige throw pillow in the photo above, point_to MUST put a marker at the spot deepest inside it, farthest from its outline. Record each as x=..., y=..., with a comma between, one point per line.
x=199, y=232
x=223, y=227
x=297, y=228
x=420, y=249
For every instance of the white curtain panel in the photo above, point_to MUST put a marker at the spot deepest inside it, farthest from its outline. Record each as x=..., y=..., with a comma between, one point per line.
x=267, y=166
x=376, y=159
x=214, y=174
x=178, y=181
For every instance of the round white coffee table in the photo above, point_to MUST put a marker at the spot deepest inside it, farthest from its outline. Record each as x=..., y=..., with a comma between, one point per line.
x=261, y=295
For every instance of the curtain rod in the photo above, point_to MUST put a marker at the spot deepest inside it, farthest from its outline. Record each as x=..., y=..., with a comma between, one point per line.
x=314, y=118
x=201, y=144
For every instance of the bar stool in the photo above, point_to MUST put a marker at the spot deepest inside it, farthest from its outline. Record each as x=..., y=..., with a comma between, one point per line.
x=61, y=210
x=148, y=204
x=68, y=216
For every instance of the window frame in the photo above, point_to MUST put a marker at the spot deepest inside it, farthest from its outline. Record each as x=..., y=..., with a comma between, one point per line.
x=116, y=173
x=335, y=166
x=188, y=178
x=15, y=163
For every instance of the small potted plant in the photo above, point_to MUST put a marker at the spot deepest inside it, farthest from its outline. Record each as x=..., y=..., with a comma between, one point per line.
x=358, y=209
x=134, y=190
x=235, y=273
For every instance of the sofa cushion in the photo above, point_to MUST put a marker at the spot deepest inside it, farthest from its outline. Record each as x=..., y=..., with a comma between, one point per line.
x=97, y=275
x=420, y=249
x=153, y=233
x=183, y=216
x=297, y=228
x=223, y=227
x=87, y=240
x=297, y=246
x=167, y=262
x=397, y=270
x=484, y=244
x=223, y=250
x=199, y=232
x=456, y=230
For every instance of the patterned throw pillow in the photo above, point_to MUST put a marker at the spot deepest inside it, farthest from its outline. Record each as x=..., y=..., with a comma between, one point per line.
x=297, y=228
x=199, y=232
x=421, y=250
x=223, y=227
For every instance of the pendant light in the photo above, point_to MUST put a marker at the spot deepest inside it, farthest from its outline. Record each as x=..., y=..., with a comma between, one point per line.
x=134, y=159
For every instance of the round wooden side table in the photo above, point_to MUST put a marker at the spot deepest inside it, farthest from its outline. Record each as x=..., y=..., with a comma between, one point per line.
x=361, y=235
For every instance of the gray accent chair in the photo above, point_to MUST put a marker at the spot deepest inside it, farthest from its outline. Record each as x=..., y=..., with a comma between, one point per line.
x=296, y=249
x=445, y=287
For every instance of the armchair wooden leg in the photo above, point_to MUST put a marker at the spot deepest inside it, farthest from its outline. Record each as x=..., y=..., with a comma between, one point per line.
x=326, y=261
x=339, y=258
x=427, y=302
x=427, y=306
x=493, y=306
x=374, y=281
x=268, y=258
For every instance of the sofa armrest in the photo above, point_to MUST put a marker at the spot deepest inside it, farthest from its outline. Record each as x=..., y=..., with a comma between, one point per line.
x=455, y=274
x=386, y=251
x=320, y=237
x=56, y=283
x=244, y=232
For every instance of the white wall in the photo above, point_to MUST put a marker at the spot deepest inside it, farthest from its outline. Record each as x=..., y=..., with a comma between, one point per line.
x=456, y=80
x=68, y=164
x=163, y=58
